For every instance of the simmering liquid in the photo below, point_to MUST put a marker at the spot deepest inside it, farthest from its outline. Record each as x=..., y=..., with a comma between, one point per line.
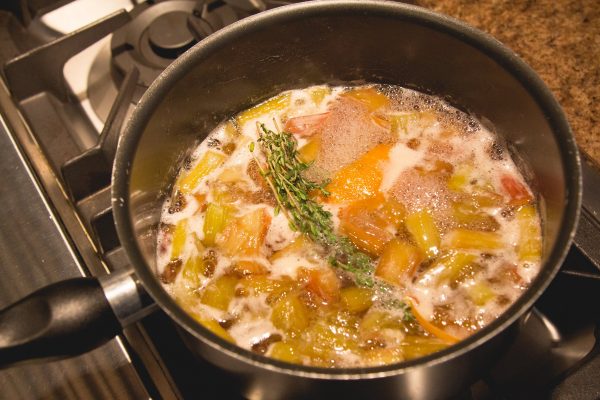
x=348, y=226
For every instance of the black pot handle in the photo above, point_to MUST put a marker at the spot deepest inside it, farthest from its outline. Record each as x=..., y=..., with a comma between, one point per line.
x=68, y=318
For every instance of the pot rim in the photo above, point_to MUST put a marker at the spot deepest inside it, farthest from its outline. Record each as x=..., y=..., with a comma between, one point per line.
x=474, y=37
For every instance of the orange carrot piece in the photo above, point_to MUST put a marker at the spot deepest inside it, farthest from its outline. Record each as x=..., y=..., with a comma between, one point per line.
x=360, y=179
x=431, y=328
x=519, y=194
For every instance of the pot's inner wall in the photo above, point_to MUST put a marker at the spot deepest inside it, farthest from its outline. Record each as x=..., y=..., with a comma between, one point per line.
x=238, y=69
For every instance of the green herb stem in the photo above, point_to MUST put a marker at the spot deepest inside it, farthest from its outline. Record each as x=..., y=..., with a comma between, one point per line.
x=293, y=194
x=292, y=191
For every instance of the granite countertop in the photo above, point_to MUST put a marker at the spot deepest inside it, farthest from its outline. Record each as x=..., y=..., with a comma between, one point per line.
x=559, y=39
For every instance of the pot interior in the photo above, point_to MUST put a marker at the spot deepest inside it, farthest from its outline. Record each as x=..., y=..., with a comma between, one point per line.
x=335, y=43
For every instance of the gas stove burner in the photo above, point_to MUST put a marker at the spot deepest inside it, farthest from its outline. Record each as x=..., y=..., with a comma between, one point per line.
x=162, y=31
x=168, y=36
x=159, y=32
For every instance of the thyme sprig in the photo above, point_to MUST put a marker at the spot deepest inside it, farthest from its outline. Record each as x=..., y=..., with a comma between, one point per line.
x=293, y=193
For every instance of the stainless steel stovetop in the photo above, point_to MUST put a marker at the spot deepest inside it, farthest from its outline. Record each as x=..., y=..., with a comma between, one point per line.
x=63, y=99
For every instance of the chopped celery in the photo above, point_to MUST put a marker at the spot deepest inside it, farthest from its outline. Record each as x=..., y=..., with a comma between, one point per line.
x=424, y=231
x=418, y=346
x=209, y=162
x=481, y=293
x=290, y=314
x=469, y=216
x=192, y=269
x=356, y=299
x=220, y=292
x=196, y=265
x=224, y=193
x=326, y=336
x=231, y=175
x=245, y=235
x=485, y=196
x=459, y=180
x=472, y=240
x=317, y=94
x=179, y=236
x=449, y=266
x=216, y=219
x=262, y=284
x=399, y=123
x=285, y=351
x=481, y=192
x=375, y=320
x=530, y=239
x=276, y=103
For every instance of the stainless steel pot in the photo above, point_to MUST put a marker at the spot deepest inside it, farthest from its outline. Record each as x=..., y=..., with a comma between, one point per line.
x=293, y=47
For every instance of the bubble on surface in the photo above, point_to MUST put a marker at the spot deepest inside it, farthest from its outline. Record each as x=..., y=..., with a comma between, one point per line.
x=347, y=134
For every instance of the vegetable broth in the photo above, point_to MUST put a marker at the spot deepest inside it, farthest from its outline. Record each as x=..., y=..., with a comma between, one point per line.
x=404, y=227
